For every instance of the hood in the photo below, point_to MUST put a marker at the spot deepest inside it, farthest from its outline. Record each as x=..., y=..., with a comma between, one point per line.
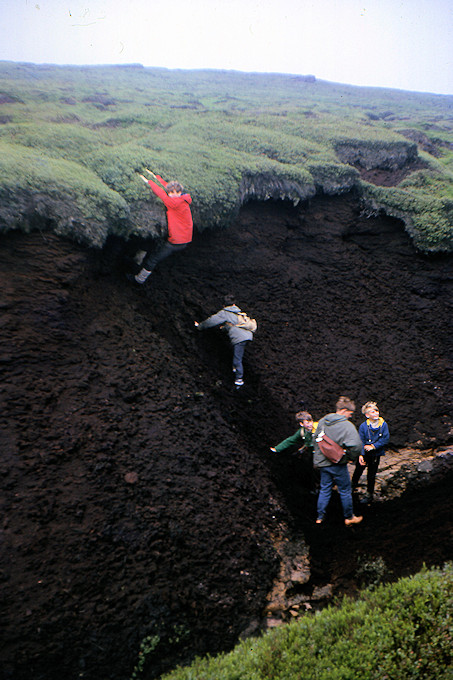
x=332, y=418
x=380, y=422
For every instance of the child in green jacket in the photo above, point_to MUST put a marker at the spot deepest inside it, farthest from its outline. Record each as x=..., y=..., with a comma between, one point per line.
x=303, y=436
x=302, y=439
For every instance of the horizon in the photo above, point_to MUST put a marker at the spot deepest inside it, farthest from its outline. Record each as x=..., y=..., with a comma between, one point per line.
x=376, y=43
x=221, y=70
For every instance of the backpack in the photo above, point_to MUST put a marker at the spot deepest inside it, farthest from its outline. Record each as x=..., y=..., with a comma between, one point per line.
x=246, y=322
x=330, y=449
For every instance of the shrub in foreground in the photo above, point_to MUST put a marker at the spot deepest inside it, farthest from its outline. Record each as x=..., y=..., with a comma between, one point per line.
x=396, y=632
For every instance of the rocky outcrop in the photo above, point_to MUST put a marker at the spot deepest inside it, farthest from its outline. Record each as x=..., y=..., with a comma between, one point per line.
x=285, y=600
x=409, y=469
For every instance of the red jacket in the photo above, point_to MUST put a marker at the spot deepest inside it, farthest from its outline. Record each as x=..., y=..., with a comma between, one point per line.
x=179, y=217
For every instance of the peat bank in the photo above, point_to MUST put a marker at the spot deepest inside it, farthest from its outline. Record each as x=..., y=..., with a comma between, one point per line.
x=139, y=496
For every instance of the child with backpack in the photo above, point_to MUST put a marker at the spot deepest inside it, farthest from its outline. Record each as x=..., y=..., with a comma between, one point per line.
x=240, y=331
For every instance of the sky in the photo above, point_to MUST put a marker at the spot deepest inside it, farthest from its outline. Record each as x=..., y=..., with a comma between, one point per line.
x=403, y=44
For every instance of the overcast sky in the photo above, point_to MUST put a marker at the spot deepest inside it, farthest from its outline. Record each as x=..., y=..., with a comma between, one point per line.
x=405, y=44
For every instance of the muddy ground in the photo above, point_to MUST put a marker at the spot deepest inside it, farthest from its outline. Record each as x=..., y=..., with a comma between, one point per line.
x=139, y=496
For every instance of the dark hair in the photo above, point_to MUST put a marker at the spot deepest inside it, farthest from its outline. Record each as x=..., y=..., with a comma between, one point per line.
x=303, y=415
x=229, y=299
x=345, y=403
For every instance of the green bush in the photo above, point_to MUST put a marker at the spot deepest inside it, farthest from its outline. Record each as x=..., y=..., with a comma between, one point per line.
x=371, y=571
x=401, y=631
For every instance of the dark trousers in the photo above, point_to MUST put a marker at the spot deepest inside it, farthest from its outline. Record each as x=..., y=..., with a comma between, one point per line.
x=238, y=353
x=372, y=464
x=164, y=251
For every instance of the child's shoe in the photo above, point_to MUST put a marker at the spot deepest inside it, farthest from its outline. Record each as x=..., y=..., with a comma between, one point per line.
x=142, y=276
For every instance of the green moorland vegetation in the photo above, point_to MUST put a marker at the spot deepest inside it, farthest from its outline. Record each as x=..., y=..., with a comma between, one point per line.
x=401, y=631
x=73, y=138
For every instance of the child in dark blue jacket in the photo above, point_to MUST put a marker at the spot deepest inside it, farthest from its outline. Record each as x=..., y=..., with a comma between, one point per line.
x=374, y=433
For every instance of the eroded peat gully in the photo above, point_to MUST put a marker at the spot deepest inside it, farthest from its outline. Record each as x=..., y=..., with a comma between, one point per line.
x=139, y=494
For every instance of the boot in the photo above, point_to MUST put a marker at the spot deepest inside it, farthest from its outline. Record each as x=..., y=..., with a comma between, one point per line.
x=142, y=275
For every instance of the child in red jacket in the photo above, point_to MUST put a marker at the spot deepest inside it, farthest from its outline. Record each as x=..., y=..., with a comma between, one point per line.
x=179, y=221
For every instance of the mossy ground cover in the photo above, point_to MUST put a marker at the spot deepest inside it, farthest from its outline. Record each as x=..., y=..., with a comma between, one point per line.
x=401, y=631
x=212, y=130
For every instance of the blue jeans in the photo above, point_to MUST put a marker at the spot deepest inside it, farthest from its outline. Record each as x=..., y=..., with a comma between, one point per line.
x=164, y=251
x=238, y=353
x=339, y=475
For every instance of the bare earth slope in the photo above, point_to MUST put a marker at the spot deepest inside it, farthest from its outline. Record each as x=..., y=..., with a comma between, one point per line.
x=139, y=495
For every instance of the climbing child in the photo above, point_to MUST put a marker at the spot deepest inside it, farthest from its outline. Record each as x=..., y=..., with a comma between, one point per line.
x=179, y=221
x=303, y=440
x=303, y=436
x=228, y=318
